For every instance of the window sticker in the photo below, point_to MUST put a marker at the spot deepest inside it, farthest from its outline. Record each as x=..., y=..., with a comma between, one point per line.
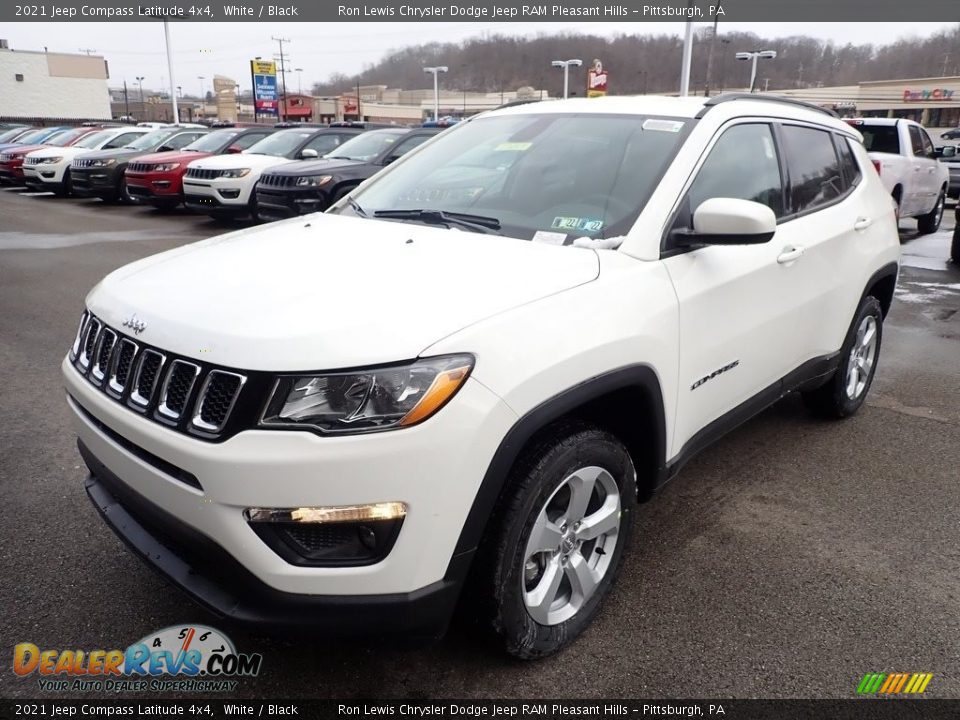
x=565, y=223
x=512, y=147
x=549, y=238
x=662, y=125
x=589, y=225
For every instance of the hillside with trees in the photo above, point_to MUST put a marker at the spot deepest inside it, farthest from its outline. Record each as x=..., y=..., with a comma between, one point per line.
x=649, y=63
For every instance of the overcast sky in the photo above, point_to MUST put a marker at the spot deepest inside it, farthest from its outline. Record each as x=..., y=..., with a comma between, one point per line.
x=320, y=49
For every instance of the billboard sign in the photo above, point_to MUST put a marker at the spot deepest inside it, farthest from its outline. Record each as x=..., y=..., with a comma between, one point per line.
x=266, y=100
x=596, y=80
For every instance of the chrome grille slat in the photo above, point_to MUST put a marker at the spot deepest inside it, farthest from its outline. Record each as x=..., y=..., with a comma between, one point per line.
x=89, y=342
x=121, y=365
x=147, y=376
x=216, y=399
x=101, y=358
x=177, y=385
x=75, y=348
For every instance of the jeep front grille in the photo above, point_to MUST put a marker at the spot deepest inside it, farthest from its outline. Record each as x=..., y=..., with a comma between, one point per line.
x=190, y=396
x=202, y=174
x=277, y=180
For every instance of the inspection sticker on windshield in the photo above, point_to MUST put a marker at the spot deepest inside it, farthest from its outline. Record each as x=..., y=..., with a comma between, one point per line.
x=549, y=238
x=662, y=125
x=512, y=147
x=577, y=223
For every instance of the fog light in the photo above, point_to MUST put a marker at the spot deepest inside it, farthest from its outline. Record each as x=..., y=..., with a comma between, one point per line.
x=335, y=514
x=334, y=536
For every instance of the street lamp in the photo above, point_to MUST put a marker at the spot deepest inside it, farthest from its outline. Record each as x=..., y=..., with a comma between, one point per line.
x=753, y=56
x=435, y=71
x=203, y=97
x=565, y=64
x=140, y=79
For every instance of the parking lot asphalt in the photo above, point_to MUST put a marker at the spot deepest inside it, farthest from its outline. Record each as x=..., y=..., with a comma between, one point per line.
x=787, y=560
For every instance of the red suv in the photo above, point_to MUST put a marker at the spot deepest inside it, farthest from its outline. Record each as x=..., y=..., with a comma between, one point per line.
x=157, y=179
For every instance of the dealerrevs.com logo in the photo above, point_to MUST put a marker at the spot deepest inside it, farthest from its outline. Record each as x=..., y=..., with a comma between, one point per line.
x=184, y=658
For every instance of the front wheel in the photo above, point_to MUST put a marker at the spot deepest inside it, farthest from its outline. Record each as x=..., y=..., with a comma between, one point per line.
x=846, y=391
x=930, y=222
x=559, y=538
x=955, y=245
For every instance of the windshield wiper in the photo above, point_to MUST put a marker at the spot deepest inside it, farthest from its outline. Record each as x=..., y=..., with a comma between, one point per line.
x=477, y=223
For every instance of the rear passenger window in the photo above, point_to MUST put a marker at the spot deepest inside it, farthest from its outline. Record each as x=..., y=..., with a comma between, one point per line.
x=916, y=142
x=245, y=141
x=815, y=176
x=742, y=164
x=848, y=162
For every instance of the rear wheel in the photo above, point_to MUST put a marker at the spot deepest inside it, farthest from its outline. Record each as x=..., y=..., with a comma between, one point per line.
x=930, y=222
x=846, y=391
x=558, y=540
x=955, y=245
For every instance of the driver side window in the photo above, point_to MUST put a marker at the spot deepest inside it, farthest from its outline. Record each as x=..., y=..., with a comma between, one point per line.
x=742, y=164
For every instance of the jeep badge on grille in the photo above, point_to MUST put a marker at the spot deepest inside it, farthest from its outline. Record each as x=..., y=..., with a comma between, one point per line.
x=135, y=324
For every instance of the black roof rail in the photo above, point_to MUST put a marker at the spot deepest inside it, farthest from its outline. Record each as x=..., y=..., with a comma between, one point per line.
x=727, y=97
x=514, y=103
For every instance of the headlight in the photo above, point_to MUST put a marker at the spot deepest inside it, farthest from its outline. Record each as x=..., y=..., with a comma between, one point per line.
x=313, y=180
x=102, y=163
x=238, y=173
x=49, y=160
x=367, y=400
x=165, y=167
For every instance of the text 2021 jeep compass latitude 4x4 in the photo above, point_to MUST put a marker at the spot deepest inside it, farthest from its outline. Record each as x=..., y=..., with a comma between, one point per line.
x=478, y=361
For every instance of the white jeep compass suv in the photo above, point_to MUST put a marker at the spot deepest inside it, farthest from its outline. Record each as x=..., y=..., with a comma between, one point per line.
x=472, y=368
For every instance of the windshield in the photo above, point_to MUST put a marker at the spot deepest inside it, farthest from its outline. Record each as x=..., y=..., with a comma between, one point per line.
x=280, y=144
x=880, y=138
x=152, y=139
x=94, y=139
x=212, y=142
x=367, y=146
x=569, y=175
x=35, y=137
x=68, y=136
x=7, y=135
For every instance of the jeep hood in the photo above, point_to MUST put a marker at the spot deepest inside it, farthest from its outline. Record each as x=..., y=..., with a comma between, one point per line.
x=118, y=154
x=170, y=156
x=326, y=291
x=240, y=160
x=322, y=166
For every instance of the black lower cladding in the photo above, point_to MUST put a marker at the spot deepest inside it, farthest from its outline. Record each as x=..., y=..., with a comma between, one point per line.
x=217, y=581
x=341, y=544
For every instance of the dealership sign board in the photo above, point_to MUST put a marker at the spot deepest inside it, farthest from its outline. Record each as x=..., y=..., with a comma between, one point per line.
x=927, y=95
x=596, y=80
x=265, y=97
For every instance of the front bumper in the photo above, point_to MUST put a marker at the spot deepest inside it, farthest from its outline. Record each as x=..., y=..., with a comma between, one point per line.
x=279, y=204
x=12, y=172
x=161, y=188
x=215, y=580
x=434, y=468
x=95, y=182
x=220, y=195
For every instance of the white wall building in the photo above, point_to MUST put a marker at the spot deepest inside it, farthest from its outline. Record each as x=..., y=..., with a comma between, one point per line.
x=52, y=85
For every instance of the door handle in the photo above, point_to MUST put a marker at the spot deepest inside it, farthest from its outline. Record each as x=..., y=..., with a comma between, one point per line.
x=789, y=254
x=862, y=223
x=916, y=169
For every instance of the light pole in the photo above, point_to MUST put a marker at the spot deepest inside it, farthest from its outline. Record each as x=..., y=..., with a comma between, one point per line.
x=140, y=79
x=686, y=60
x=565, y=64
x=753, y=56
x=435, y=71
x=173, y=95
x=298, y=71
x=203, y=97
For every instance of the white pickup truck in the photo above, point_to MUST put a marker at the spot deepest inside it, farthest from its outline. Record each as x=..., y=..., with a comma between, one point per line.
x=904, y=155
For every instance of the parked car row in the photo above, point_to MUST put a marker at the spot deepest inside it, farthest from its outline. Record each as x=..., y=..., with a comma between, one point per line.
x=231, y=172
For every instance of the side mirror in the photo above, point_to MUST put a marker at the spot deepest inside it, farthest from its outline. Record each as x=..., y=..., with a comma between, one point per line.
x=234, y=149
x=309, y=154
x=390, y=159
x=947, y=152
x=728, y=221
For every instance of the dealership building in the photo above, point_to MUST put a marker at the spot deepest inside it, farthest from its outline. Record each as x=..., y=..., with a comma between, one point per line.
x=933, y=102
x=38, y=86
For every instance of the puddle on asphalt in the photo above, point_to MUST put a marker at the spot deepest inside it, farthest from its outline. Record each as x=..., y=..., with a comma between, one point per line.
x=52, y=241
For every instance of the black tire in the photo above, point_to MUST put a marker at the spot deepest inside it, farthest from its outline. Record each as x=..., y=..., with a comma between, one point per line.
x=833, y=400
x=897, y=196
x=539, y=476
x=955, y=245
x=66, y=189
x=930, y=222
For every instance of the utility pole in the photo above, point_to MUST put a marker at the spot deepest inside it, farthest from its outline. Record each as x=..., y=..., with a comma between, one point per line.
x=713, y=42
x=173, y=83
x=686, y=60
x=359, y=114
x=283, y=73
x=126, y=99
